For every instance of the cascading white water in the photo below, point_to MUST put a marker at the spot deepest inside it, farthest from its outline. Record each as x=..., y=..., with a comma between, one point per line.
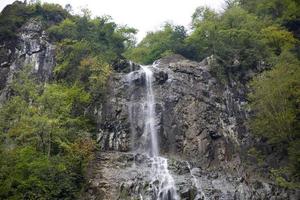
x=200, y=193
x=166, y=189
x=149, y=114
x=162, y=182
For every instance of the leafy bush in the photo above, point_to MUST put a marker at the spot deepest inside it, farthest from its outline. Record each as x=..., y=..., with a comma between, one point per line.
x=15, y=15
x=167, y=41
x=275, y=101
x=45, y=142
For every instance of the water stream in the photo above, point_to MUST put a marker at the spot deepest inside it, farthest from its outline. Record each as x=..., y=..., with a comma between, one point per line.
x=149, y=113
x=161, y=180
x=197, y=185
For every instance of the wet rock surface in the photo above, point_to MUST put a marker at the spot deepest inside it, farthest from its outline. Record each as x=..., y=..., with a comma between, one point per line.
x=197, y=119
x=122, y=176
x=196, y=116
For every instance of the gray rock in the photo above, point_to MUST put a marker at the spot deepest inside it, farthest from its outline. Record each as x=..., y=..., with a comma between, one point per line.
x=197, y=118
x=31, y=48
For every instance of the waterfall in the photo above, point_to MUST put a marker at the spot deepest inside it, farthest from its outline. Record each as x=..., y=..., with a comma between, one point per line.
x=162, y=183
x=149, y=113
x=200, y=193
x=166, y=189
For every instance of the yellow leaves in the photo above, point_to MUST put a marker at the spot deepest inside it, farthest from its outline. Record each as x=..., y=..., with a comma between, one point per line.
x=21, y=130
x=84, y=147
x=86, y=62
x=278, y=38
x=61, y=167
x=96, y=70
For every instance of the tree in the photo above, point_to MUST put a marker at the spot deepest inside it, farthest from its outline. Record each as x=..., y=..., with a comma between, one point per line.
x=167, y=41
x=284, y=12
x=44, y=141
x=278, y=39
x=234, y=38
x=275, y=101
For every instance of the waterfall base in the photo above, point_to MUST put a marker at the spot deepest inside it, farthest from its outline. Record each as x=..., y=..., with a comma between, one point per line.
x=126, y=176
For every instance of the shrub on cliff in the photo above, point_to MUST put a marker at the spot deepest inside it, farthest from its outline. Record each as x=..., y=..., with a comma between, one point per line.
x=155, y=45
x=275, y=101
x=44, y=140
x=15, y=15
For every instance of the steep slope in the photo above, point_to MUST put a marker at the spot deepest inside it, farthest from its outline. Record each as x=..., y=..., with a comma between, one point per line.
x=198, y=121
x=185, y=138
x=195, y=114
x=33, y=48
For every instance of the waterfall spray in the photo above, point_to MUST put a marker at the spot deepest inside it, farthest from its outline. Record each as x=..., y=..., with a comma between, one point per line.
x=162, y=182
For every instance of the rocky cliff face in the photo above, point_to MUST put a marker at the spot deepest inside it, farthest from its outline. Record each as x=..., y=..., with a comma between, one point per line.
x=201, y=129
x=200, y=125
x=31, y=48
x=197, y=117
x=124, y=176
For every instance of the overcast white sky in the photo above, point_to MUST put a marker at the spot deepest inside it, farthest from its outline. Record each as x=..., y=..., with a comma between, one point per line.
x=145, y=15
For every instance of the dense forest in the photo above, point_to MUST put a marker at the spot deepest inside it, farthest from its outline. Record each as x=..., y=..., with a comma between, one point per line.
x=47, y=136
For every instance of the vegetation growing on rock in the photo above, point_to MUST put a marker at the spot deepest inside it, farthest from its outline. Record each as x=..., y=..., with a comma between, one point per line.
x=248, y=36
x=46, y=129
x=46, y=137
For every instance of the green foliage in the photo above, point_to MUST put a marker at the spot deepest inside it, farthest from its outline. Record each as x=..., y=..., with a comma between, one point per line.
x=257, y=155
x=87, y=48
x=78, y=63
x=10, y=19
x=44, y=140
x=15, y=15
x=276, y=93
x=167, y=41
x=281, y=11
x=280, y=178
x=204, y=37
x=233, y=37
x=103, y=35
x=94, y=73
x=249, y=34
x=66, y=28
x=275, y=101
x=29, y=174
x=278, y=39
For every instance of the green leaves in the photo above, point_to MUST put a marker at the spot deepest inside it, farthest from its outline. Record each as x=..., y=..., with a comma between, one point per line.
x=275, y=100
x=94, y=73
x=280, y=11
x=29, y=174
x=45, y=139
x=101, y=34
x=232, y=37
x=87, y=48
x=276, y=92
x=66, y=29
x=278, y=39
x=15, y=15
x=42, y=132
x=157, y=44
